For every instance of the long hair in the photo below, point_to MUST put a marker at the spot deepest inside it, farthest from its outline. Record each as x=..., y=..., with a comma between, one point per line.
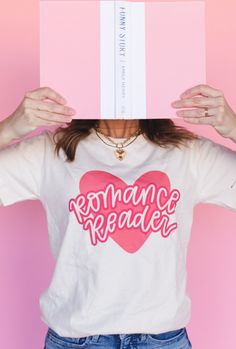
x=163, y=132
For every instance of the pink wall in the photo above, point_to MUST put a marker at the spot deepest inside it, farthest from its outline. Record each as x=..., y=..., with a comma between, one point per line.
x=25, y=261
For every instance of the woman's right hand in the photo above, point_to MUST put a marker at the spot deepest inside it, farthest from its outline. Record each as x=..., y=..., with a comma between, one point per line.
x=34, y=112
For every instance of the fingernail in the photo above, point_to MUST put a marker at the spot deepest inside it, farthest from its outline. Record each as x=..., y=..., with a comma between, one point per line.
x=63, y=100
x=72, y=111
x=184, y=94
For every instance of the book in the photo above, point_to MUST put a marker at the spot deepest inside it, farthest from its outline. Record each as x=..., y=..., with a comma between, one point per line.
x=122, y=59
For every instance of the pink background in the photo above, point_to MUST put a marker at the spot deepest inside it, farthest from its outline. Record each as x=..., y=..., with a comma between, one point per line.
x=25, y=261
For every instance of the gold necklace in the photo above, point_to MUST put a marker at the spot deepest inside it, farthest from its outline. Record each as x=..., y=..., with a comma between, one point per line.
x=119, y=152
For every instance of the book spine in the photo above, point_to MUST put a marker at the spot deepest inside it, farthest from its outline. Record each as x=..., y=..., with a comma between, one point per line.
x=123, y=64
x=122, y=59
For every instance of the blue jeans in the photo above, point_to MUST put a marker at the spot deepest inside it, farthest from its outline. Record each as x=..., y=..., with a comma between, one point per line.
x=177, y=339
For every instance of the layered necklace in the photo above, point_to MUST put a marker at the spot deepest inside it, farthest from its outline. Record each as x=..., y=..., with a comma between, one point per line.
x=119, y=152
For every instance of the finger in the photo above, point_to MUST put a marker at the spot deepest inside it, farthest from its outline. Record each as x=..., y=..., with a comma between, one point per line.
x=202, y=89
x=48, y=116
x=199, y=102
x=48, y=122
x=46, y=92
x=52, y=107
x=210, y=120
x=191, y=113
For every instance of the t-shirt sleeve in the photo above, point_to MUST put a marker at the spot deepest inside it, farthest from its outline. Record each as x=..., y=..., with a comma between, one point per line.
x=21, y=167
x=216, y=173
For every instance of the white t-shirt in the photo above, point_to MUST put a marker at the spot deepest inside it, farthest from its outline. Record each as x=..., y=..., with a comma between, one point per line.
x=118, y=230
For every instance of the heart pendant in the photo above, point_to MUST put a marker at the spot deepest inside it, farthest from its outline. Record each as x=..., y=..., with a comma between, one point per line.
x=120, y=154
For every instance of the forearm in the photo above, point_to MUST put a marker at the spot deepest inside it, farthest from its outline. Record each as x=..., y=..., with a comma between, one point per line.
x=6, y=133
x=233, y=136
x=234, y=139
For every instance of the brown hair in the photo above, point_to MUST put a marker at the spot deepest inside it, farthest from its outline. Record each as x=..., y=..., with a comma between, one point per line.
x=162, y=132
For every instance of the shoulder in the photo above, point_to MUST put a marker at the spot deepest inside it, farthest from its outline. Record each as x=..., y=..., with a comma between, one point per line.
x=204, y=144
x=207, y=145
x=44, y=139
x=37, y=145
x=208, y=154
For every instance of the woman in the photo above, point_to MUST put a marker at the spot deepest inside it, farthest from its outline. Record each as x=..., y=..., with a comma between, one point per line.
x=119, y=197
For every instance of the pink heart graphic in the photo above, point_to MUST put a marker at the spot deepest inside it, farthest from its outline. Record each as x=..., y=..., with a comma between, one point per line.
x=124, y=212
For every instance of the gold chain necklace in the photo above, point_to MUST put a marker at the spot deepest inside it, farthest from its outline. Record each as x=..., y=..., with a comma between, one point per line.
x=119, y=152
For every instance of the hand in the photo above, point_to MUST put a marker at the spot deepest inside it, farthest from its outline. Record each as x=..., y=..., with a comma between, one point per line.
x=221, y=116
x=34, y=111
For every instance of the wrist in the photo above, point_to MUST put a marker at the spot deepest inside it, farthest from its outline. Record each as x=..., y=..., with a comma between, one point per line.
x=6, y=132
x=233, y=135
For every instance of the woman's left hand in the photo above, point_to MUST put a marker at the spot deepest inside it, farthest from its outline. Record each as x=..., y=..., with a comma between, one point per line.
x=212, y=101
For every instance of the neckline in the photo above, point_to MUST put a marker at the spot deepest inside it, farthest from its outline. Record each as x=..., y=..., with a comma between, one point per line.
x=139, y=139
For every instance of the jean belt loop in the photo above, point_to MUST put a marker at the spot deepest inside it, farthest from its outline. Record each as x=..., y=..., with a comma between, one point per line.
x=95, y=338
